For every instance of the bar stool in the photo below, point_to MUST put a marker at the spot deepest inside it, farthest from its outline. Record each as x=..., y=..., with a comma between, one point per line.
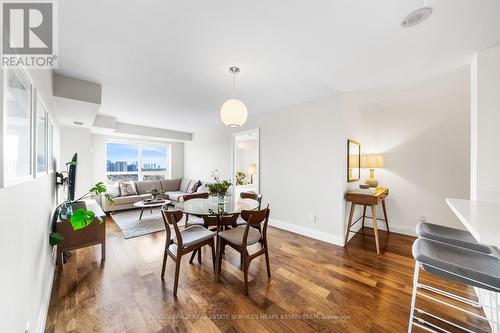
x=452, y=236
x=454, y=263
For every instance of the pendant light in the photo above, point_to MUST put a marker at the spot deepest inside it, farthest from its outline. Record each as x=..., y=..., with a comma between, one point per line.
x=233, y=112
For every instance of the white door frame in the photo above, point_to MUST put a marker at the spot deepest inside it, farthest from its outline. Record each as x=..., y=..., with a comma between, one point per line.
x=233, y=171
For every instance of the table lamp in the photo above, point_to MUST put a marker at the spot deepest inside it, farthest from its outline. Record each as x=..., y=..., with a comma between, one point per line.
x=252, y=170
x=372, y=162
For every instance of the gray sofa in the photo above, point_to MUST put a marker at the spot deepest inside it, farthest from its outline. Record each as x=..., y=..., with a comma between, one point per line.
x=173, y=189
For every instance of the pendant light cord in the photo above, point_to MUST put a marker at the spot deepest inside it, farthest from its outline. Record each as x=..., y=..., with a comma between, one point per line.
x=234, y=85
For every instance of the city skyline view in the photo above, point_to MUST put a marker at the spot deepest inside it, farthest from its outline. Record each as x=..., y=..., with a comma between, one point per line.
x=123, y=157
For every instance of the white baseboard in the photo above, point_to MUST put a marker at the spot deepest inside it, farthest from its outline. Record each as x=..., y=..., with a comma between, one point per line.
x=308, y=232
x=42, y=314
x=397, y=228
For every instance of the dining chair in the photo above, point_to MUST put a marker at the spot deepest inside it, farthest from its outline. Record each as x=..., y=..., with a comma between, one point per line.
x=241, y=237
x=194, y=220
x=249, y=195
x=184, y=241
x=216, y=223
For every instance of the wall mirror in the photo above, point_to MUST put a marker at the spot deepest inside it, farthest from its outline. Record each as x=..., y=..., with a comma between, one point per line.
x=245, y=162
x=353, y=160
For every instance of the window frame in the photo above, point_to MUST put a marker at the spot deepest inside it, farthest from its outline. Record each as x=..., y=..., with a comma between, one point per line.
x=140, y=174
x=7, y=181
x=39, y=102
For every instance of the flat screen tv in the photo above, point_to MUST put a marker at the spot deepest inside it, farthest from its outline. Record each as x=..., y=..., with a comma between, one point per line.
x=72, y=177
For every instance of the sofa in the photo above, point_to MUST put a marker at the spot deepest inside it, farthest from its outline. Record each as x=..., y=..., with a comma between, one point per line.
x=173, y=189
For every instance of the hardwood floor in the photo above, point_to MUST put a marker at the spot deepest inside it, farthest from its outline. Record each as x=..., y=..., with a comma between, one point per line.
x=315, y=287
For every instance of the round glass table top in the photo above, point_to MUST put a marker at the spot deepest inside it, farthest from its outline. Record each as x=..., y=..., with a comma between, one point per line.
x=211, y=206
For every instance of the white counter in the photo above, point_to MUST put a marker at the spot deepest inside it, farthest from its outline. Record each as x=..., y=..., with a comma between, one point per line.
x=481, y=218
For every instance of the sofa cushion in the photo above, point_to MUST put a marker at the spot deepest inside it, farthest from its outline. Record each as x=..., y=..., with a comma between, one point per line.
x=127, y=188
x=144, y=187
x=171, y=184
x=193, y=186
x=202, y=188
x=113, y=189
x=184, y=185
x=130, y=199
x=175, y=195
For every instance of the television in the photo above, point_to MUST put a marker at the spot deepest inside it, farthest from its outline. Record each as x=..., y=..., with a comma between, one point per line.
x=72, y=177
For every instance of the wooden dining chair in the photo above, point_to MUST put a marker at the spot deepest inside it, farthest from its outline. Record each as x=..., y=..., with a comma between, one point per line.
x=242, y=236
x=194, y=220
x=249, y=195
x=217, y=223
x=184, y=241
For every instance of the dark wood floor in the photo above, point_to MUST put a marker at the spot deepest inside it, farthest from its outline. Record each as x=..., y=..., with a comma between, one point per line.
x=315, y=287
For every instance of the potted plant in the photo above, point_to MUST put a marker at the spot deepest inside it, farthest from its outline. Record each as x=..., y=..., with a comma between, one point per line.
x=155, y=193
x=80, y=217
x=219, y=187
x=240, y=177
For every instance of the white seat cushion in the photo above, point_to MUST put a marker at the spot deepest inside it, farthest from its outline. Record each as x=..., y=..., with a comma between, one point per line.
x=193, y=220
x=235, y=235
x=240, y=221
x=193, y=235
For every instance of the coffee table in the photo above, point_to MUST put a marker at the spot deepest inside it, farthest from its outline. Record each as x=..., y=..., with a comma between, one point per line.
x=157, y=203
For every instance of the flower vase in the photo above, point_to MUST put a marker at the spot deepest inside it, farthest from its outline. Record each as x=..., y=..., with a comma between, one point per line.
x=221, y=199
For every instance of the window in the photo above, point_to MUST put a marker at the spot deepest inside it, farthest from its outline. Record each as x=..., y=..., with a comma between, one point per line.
x=132, y=161
x=17, y=134
x=41, y=137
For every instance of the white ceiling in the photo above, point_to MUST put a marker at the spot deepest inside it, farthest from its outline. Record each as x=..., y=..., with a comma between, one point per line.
x=164, y=63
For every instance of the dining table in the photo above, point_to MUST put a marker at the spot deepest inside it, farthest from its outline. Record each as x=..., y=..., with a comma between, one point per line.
x=213, y=209
x=216, y=212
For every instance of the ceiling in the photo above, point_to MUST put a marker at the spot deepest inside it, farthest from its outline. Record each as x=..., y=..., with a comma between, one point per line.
x=165, y=63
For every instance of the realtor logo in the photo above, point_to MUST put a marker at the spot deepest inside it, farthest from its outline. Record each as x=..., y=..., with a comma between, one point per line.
x=28, y=34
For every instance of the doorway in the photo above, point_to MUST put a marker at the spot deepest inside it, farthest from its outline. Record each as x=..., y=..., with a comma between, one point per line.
x=245, y=162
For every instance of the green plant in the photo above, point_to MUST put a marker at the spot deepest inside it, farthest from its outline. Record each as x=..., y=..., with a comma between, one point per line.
x=218, y=187
x=155, y=193
x=79, y=218
x=240, y=177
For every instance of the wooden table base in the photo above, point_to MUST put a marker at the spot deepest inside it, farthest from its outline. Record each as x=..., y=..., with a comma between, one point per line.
x=367, y=200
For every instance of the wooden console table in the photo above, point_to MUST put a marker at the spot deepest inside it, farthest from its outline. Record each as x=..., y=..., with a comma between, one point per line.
x=93, y=234
x=366, y=200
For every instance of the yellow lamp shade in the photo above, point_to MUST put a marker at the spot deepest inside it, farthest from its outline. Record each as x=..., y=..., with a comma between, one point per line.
x=252, y=169
x=372, y=161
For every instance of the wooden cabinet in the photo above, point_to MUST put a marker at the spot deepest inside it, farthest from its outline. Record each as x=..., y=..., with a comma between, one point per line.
x=93, y=234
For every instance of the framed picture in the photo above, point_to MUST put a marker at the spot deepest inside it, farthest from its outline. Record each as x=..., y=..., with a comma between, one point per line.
x=353, y=161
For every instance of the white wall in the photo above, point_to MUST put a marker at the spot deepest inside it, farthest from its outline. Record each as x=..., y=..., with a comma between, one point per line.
x=77, y=140
x=25, y=254
x=485, y=116
x=426, y=148
x=302, y=164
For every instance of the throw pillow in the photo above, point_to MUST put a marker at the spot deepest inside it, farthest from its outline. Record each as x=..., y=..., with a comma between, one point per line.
x=113, y=189
x=127, y=188
x=202, y=188
x=193, y=186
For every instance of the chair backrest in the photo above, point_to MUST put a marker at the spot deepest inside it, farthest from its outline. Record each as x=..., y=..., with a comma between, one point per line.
x=251, y=195
x=254, y=218
x=172, y=217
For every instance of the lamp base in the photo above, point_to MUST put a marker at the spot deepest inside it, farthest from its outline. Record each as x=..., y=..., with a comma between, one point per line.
x=371, y=182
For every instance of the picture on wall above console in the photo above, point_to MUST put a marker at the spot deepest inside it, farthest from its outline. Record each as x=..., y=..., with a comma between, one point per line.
x=353, y=160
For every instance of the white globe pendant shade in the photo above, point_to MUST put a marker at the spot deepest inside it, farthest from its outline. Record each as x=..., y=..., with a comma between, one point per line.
x=233, y=113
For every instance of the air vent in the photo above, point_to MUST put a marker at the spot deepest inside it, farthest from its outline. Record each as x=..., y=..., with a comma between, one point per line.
x=415, y=17
x=79, y=123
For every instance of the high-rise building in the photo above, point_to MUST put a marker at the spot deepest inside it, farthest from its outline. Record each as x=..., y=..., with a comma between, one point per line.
x=121, y=166
x=110, y=167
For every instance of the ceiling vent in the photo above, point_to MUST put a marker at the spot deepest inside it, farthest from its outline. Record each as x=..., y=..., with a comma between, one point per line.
x=415, y=17
x=79, y=123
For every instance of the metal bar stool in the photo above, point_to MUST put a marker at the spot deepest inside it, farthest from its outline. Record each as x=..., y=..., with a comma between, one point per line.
x=454, y=263
x=452, y=236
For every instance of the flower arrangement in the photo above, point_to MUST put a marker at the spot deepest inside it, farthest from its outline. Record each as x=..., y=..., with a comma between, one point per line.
x=218, y=187
x=155, y=193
